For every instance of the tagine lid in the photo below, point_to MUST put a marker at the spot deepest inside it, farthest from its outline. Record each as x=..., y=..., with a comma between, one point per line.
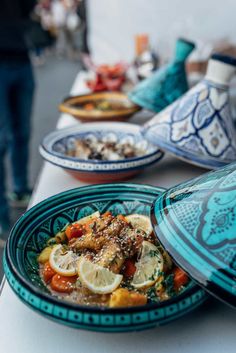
x=196, y=223
x=199, y=126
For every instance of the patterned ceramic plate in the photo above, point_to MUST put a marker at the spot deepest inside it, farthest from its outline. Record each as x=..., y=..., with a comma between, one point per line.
x=55, y=146
x=36, y=226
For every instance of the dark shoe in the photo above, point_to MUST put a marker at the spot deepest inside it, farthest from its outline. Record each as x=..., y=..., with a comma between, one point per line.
x=20, y=199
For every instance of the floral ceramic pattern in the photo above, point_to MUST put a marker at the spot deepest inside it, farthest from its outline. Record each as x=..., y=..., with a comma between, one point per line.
x=201, y=226
x=198, y=127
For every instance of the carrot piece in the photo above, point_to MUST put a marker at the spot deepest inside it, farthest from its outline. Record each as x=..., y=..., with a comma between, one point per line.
x=63, y=284
x=122, y=218
x=48, y=272
x=180, y=278
x=106, y=214
x=89, y=106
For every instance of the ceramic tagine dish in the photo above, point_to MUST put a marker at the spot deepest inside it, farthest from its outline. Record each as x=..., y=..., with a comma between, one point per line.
x=199, y=126
x=122, y=257
x=63, y=261
x=196, y=223
x=165, y=85
x=100, y=152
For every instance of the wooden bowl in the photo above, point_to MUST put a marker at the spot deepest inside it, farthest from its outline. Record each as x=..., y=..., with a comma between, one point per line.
x=74, y=106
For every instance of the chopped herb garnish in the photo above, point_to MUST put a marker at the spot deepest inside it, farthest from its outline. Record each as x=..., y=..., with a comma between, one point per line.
x=152, y=295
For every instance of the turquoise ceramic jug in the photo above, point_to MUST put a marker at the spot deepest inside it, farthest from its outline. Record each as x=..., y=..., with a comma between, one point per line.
x=166, y=84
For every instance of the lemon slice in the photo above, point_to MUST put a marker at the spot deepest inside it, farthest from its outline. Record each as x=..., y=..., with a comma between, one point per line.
x=88, y=218
x=97, y=278
x=139, y=221
x=149, y=266
x=63, y=261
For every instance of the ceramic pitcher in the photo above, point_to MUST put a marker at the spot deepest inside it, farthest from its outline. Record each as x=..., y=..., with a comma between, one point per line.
x=166, y=84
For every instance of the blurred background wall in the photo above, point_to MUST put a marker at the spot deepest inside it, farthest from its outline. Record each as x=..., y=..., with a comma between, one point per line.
x=115, y=22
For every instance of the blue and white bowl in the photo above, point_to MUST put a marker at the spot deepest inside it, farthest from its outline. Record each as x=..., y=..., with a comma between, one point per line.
x=55, y=146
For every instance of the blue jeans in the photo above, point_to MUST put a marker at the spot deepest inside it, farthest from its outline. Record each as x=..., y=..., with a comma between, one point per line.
x=16, y=99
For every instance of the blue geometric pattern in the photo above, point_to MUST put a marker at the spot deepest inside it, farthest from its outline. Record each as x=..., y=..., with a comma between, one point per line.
x=220, y=219
x=196, y=222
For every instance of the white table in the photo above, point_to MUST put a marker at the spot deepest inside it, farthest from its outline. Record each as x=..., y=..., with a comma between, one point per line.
x=210, y=328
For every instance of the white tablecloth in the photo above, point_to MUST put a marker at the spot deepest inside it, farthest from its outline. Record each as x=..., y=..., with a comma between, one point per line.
x=210, y=328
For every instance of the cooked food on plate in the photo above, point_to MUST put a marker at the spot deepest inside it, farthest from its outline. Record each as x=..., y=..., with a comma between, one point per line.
x=109, y=261
x=104, y=150
x=104, y=105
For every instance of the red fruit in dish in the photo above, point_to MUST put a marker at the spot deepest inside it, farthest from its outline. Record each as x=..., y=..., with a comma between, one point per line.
x=48, y=272
x=180, y=278
x=74, y=231
x=63, y=284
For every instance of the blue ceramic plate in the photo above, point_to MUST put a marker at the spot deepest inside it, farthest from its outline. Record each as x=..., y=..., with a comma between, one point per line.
x=55, y=146
x=36, y=226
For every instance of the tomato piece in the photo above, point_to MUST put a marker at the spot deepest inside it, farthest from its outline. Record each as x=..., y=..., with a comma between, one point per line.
x=63, y=284
x=74, y=231
x=48, y=272
x=180, y=278
x=130, y=268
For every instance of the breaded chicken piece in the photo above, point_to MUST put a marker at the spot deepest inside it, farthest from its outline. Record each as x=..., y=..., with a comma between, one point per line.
x=111, y=257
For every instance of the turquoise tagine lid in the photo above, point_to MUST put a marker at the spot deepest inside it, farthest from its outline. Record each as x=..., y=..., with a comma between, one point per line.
x=196, y=223
x=167, y=84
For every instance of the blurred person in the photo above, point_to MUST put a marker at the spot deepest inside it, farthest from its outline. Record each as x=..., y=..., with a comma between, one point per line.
x=66, y=21
x=59, y=20
x=72, y=24
x=16, y=98
x=40, y=35
x=85, y=51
